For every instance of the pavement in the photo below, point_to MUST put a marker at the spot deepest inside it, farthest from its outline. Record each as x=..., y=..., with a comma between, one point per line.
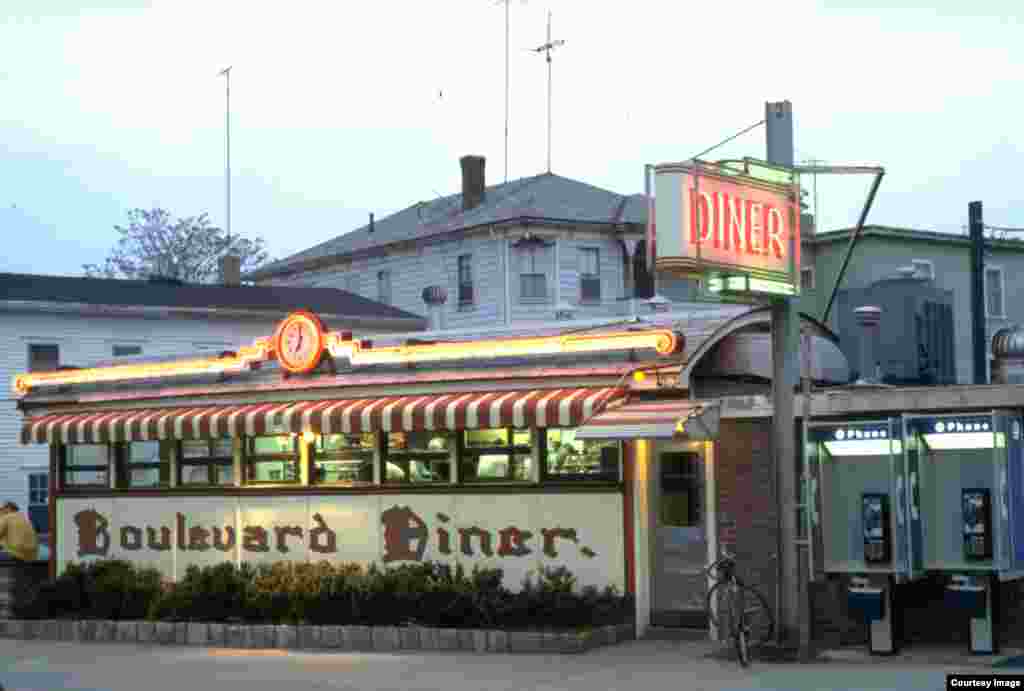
x=654, y=665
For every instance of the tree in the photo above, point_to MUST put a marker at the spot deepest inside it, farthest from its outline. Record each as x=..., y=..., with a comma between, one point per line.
x=189, y=249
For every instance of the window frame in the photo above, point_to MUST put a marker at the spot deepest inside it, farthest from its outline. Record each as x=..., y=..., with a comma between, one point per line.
x=28, y=356
x=464, y=452
x=590, y=279
x=808, y=271
x=384, y=286
x=576, y=478
x=464, y=280
x=131, y=346
x=335, y=455
x=249, y=458
x=63, y=470
x=450, y=455
x=209, y=461
x=122, y=454
x=529, y=253
x=1002, y=292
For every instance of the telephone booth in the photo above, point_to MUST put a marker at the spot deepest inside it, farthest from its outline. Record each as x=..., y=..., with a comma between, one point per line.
x=965, y=476
x=865, y=536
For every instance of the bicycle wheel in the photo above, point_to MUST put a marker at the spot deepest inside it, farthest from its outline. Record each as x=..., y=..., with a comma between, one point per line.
x=756, y=618
x=721, y=595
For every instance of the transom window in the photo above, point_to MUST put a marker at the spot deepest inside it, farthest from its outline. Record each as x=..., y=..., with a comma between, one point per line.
x=206, y=462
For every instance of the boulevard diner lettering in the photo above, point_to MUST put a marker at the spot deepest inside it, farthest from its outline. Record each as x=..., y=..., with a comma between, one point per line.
x=714, y=222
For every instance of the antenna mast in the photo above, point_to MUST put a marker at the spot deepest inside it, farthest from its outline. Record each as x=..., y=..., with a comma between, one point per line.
x=546, y=49
x=226, y=73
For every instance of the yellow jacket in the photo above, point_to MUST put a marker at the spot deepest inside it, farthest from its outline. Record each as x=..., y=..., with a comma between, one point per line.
x=18, y=537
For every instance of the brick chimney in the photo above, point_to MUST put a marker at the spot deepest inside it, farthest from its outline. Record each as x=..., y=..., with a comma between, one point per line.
x=473, y=181
x=231, y=270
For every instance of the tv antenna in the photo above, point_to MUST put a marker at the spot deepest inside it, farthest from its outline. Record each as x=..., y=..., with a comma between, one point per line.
x=226, y=73
x=506, y=3
x=546, y=49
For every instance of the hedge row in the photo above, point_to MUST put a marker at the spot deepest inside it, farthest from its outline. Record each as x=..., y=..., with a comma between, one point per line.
x=427, y=594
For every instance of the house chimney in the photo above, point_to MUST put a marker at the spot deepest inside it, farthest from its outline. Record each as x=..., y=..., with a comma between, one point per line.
x=473, y=181
x=371, y=221
x=231, y=270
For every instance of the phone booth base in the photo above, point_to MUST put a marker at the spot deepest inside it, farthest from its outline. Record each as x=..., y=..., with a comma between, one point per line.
x=976, y=597
x=874, y=602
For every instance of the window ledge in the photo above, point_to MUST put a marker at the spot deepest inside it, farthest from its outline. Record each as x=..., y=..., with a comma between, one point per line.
x=466, y=307
x=535, y=301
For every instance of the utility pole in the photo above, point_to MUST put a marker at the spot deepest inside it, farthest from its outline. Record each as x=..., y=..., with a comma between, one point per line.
x=546, y=49
x=980, y=336
x=226, y=73
x=785, y=378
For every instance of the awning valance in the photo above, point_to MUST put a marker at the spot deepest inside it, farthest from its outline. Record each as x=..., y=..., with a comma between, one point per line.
x=536, y=408
x=638, y=419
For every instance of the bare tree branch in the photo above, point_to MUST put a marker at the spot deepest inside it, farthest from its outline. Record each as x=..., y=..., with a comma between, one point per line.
x=188, y=249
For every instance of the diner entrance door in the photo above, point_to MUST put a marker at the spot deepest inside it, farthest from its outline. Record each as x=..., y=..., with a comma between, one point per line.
x=682, y=538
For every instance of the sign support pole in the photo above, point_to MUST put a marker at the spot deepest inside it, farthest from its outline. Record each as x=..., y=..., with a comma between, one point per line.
x=785, y=378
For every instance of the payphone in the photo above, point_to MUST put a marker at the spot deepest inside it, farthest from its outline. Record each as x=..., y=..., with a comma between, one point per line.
x=877, y=536
x=977, y=524
x=864, y=519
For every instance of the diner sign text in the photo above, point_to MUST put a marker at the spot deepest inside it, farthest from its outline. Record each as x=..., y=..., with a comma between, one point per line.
x=517, y=537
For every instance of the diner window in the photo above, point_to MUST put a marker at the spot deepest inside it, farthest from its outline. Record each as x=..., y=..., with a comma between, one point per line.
x=43, y=357
x=145, y=464
x=590, y=274
x=418, y=457
x=569, y=458
x=343, y=458
x=86, y=465
x=496, y=455
x=272, y=459
x=206, y=462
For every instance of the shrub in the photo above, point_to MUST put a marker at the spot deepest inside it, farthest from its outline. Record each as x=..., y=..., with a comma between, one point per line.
x=427, y=594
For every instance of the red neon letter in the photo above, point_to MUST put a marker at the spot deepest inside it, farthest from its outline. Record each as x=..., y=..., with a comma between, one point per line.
x=775, y=232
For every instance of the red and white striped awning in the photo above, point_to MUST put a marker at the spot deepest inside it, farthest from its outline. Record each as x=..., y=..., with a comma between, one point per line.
x=648, y=420
x=538, y=408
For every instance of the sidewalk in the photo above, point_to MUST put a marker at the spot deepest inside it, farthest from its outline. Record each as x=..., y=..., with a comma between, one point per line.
x=647, y=665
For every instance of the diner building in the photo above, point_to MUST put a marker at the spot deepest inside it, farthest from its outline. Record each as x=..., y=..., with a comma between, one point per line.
x=629, y=452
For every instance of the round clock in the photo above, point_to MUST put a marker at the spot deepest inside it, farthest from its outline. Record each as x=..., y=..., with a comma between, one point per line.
x=300, y=342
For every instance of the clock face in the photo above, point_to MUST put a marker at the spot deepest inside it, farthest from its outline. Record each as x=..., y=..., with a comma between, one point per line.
x=300, y=342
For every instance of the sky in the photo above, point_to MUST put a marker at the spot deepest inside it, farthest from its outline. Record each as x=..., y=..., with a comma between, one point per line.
x=342, y=109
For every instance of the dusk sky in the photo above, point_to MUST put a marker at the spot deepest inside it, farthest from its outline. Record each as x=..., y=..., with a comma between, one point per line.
x=341, y=109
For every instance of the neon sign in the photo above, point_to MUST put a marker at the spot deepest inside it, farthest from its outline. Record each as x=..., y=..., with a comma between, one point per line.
x=300, y=340
x=712, y=221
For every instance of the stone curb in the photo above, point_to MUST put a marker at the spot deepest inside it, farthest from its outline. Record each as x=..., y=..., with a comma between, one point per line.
x=309, y=637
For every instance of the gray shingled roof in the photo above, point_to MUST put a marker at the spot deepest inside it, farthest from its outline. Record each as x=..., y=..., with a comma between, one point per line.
x=547, y=196
x=106, y=291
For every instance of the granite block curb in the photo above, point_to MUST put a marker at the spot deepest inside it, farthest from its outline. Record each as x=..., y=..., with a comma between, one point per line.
x=311, y=637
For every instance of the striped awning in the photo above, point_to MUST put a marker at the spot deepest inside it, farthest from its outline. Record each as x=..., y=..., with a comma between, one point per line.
x=537, y=408
x=649, y=420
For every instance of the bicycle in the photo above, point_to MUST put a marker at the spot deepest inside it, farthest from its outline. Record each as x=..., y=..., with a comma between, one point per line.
x=746, y=610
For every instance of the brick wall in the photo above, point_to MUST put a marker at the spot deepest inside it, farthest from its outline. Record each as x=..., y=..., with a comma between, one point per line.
x=747, y=518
